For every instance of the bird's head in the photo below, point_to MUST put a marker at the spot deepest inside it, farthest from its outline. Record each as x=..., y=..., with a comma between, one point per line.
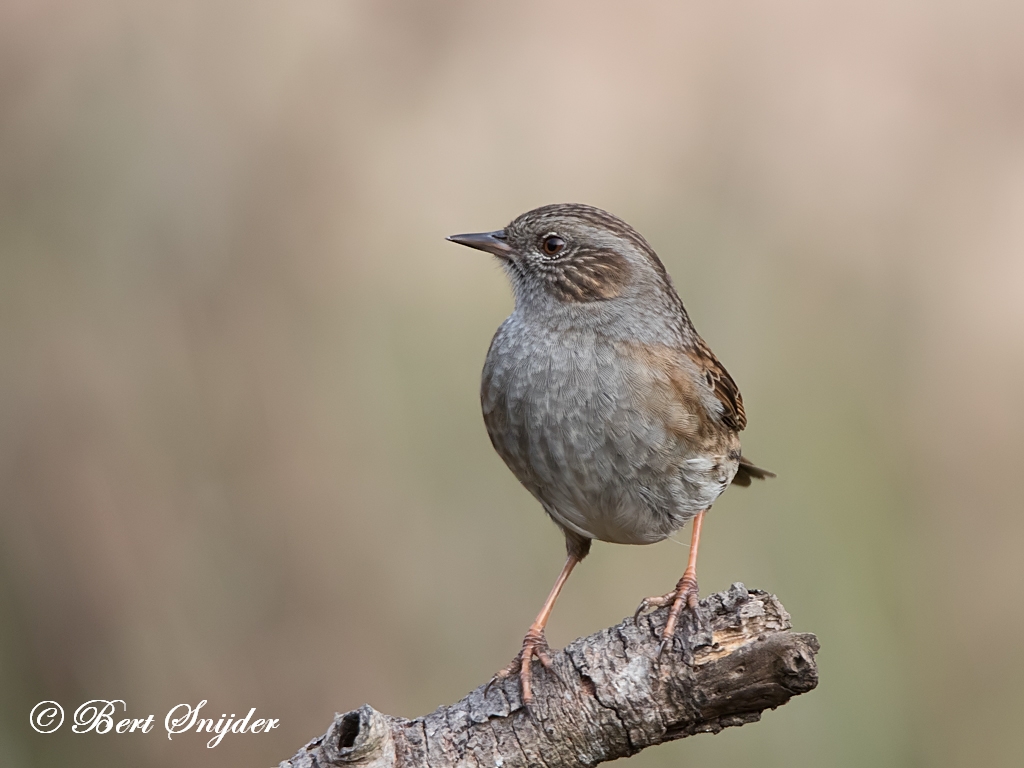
x=571, y=255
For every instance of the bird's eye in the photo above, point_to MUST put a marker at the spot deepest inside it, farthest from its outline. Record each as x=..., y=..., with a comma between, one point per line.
x=553, y=244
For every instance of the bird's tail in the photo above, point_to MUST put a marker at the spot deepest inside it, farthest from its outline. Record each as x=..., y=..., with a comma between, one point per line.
x=748, y=472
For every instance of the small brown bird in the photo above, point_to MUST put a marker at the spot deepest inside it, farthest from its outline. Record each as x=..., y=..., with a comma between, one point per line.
x=602, y=398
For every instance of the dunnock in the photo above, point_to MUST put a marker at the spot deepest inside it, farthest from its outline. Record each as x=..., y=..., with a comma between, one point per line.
x=602, y=398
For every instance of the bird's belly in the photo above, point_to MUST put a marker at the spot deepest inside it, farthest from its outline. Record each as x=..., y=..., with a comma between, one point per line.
x=567, y=425
x=633, y=504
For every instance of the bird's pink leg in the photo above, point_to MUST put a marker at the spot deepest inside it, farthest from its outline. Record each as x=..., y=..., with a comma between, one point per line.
x=684, y=595
x=535, y=644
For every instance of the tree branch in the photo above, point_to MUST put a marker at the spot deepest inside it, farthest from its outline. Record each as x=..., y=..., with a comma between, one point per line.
x=611, y=698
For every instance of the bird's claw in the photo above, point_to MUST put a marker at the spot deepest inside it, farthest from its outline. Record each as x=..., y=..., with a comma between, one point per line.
x=534, y=645
x=663, y=646
x=651, y=604
x=685, y=595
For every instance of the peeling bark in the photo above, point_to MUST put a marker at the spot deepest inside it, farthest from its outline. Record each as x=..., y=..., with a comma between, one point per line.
x=611, y=697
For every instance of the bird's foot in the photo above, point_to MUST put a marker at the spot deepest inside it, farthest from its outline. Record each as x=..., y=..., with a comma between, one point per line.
x=685, y=595
x=534, y=645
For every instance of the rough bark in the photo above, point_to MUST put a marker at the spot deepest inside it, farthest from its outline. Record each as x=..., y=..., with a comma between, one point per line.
x=611, y=697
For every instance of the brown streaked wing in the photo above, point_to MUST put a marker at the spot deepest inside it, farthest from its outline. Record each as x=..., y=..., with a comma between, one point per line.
x=668, y=390
x=721, y=383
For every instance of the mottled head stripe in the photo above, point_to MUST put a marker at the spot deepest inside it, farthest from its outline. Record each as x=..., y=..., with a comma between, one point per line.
x=592, y=215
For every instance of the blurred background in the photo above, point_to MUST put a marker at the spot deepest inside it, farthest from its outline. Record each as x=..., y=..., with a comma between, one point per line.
x=241, y=453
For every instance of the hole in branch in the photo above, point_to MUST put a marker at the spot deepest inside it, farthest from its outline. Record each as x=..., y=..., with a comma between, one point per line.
x=349, y=731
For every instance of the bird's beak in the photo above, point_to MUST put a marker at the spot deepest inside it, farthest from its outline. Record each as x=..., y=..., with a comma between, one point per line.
x=492, y=242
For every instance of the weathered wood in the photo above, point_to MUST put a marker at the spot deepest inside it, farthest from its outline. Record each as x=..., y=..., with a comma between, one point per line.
x=611, y=697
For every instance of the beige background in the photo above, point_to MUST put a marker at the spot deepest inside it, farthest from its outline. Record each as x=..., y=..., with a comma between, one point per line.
x=241, y=455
